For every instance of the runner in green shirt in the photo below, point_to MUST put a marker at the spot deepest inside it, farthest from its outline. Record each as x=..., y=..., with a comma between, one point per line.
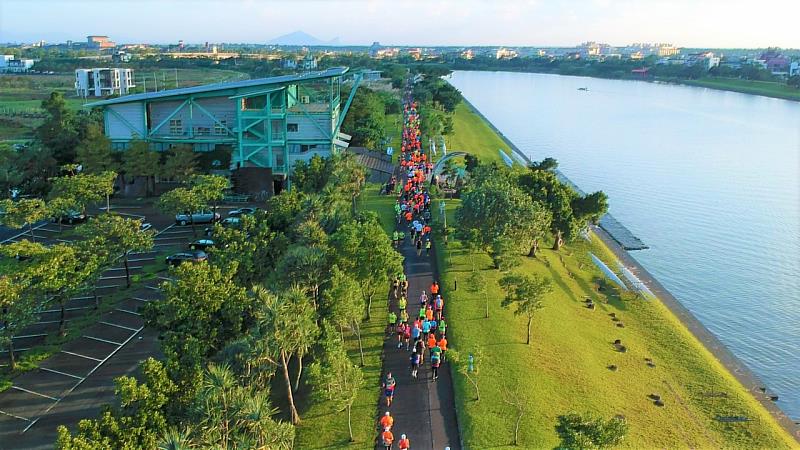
x=402, y=303
x=422, y=313
x=442, y=326
x=392, y=321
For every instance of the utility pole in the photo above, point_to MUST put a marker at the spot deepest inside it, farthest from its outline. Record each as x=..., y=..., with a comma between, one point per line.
x=176, y=78
x=155, y=79
x=144, y=82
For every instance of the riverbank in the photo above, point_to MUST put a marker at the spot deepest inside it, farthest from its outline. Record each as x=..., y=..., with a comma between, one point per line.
x=772, y=89
x=567, y=367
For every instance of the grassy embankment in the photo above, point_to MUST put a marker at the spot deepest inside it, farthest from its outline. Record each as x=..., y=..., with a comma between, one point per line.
x=21, y=95
x=323, y=426
x=765, y=88
x=566, y=366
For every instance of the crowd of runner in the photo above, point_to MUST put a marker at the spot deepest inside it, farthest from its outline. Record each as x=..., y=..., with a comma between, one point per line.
x=421, y=333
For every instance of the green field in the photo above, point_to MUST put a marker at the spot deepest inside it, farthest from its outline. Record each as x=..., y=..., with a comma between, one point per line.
x=566, y=367
x=21, y=95
x=472, y=135
x=323, y=426
x=765, y=88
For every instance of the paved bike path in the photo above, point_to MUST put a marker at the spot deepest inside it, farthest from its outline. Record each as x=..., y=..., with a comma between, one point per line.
x=423, y=409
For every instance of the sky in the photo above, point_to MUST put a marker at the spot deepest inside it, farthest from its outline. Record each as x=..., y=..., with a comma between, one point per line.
x=685, y=23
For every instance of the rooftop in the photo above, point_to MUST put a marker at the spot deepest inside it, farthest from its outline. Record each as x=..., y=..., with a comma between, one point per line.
x=332, y=72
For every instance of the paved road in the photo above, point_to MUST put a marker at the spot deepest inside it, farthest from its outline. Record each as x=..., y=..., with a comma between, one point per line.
x=423, y=409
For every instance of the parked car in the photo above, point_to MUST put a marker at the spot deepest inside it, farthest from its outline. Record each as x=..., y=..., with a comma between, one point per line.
x=193, y=256
x=246, y=211
x=201, y=244
x=225, y=223
x=72, y=217
x=197, y=217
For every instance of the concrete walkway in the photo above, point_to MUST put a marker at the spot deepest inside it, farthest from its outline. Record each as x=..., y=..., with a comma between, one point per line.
x=423, y=409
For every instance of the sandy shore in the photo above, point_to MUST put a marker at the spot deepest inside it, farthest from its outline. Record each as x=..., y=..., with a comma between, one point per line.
x=749, y=380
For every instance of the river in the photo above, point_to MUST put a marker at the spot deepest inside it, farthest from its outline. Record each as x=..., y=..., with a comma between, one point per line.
x=709, y=179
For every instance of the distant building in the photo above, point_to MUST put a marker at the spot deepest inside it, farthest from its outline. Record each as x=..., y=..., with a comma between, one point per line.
x=16, y=65
x=100, y=42
x=415, y=53
x=4, y=59
x=667, y=50
x=100, y=82
x=467, y=54
x=774, y=61
x=794, y=68
x=504, y=53
x=309, y=62
x=289, y=62
x=588, y=49
x=374, y=49
x=705, y=59
x=371, y=75
x=121, y=56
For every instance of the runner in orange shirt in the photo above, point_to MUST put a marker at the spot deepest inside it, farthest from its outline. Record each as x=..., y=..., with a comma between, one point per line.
x=387, y=438
x=387, y=421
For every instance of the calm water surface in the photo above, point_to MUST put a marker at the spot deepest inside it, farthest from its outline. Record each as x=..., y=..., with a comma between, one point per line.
x=710, y=180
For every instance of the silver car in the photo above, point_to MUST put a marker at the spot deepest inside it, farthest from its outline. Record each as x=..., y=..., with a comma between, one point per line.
x=197, y=217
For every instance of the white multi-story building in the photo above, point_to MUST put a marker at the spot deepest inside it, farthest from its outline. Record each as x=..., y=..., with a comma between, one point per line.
x=100, y=82
x=15, y=65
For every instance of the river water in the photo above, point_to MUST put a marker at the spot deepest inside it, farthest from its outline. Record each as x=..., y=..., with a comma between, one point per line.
x=710, y=180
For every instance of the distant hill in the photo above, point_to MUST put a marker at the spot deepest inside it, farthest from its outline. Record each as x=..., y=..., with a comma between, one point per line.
x=301, y=38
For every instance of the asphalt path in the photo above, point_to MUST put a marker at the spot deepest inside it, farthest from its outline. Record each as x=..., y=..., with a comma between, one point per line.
x=423, y=409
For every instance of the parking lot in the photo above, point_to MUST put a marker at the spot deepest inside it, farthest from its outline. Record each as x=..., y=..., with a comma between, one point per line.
x=76, y=381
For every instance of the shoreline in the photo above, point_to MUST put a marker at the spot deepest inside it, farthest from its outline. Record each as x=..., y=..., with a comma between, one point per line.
x=655, y=80
x=749, y=380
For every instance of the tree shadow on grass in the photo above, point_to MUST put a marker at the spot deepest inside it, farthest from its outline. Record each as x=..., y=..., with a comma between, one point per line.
x=560, y=282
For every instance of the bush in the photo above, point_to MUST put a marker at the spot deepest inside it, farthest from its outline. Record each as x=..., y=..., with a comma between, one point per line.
x=579, y=432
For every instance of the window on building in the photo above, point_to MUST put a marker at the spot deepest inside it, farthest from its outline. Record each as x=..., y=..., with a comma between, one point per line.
x=292, y=127
x=259, y=102
x=304, y=148
x=203, y=131
x=175, y=126
x=219, y=128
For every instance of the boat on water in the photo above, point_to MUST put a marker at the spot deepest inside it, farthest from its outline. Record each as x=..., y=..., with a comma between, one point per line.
x=583, y=89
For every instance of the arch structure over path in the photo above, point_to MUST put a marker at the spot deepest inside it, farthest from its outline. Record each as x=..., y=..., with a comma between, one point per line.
x=439, y=164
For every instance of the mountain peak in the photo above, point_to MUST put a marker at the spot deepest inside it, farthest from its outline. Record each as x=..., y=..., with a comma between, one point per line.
x=300, y=38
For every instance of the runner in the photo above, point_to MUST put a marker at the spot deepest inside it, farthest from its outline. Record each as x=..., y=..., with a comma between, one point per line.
x=423, y=299
x=392, y=319
x=431, y=342
x=428, y=247
x=414, y=362
x=407, y=336
x=388, y=389
x=404, y=443
x=401, y=330
x=387, y=438
x=443, y=345
x=438, y=305
x=442, y=326
x=436, y=353
x=402, y=303
x=387, y=421
x=435, y=288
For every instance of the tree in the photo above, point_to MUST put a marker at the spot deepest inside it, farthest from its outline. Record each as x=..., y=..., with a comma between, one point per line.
x=291, y=322
x=476, y=284
x=60, y=207
x=364, y=250
x=94, y=151
x=26, y=211
x=569, y=211
x=587, y=432
x=229, y=415
x=527, y=293
x=545, y=164
x=499, y=210
x=303, y=266
x=181, y=201
x=337, y=379
x=140, y=161
x=180, y=164
x=519, y=403
x=18, y=309
x=469, y=368
x=11, y=173
x=203, y=304
x=311, y=176
x=210, y=189
x=345, y=305
x=504, y=254
x=84, y=189
x=120, y=236
x=58, y=132
x=138, y=421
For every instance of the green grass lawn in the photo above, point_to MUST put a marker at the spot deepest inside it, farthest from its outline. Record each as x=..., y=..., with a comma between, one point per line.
x=766, y=88
x=472, y=135
x=565, y=369
x=323, y=426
